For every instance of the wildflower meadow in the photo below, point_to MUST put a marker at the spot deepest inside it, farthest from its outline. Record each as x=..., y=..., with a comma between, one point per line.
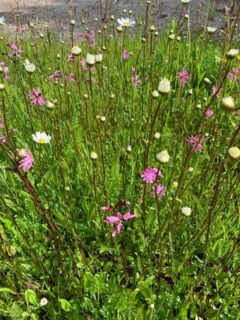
x=119, y=176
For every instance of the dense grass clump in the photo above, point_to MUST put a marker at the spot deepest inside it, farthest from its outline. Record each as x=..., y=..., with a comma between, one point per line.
x=120, y=173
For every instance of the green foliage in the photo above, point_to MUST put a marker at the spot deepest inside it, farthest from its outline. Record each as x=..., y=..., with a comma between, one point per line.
x=59, y=259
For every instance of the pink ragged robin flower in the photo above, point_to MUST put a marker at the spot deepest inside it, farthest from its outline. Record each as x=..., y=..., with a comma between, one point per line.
x=15, y=50
x=234, y=74
x=118, y=221
x=107, y=208
x=90, y=35
x=70, y=77
x=81, y=36
x=57, y=75
x=92, y=43
x=159, y=190
x=195, y=141
x=136, y=81
x=150, y=175
x=125, y=54
x=215, y=90
x=209, y=113
x=4, y=67
x=124, y=203
x=184, y=76
x=71, y=58
x=26, y=161
x=134, y=70
x=36, y=97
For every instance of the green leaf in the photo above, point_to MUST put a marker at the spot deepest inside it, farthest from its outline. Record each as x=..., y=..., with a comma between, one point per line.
x=65, y=305
x=7, y=290
x=31, y=297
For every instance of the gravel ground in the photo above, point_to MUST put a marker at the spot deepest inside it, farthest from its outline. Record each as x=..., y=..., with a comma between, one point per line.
x=57, y=13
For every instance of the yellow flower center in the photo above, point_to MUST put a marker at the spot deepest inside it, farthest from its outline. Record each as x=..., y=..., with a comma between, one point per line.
x=41, y=140
x=126, y=24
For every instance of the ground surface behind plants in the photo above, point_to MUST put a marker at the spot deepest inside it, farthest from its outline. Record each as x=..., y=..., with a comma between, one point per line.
x=57, y=13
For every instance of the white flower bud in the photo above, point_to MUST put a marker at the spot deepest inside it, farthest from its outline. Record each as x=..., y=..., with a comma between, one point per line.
x=163, y=156
x=76, y=51
x=164, y=86
x=90, y=59
x=228, y=103
x=186, y=211
x=234, y=153
x=93, y=156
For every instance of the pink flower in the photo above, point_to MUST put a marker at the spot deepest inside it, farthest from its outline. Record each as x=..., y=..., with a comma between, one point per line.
x=57, y=75
x=71, y=58
x=134, y=69
x=209, y=113
x=159, y=190
x=125, y=54
x=4, y=67
x=195, y=141
x=118, y=221
x=81, y=36
x=107, y=208
x=136, y=81
x=234, y=74
x=83, y=64
x=184, y=76
x=150, y=175
x=36, y=97
x=90, y=35
x=27, y=160
x=124, y=203
x=70, y=77
x=91, y=43
x=215, y=91
x=16, y=51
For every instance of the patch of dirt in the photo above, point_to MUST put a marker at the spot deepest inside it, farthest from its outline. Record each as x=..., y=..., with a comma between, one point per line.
x=59, y=12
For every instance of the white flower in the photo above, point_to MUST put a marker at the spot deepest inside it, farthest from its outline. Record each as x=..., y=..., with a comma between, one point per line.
x=186, y=211
x=164, y=86
x=190, y=169
x=76, y=51
x=155, y=94
x=185, y=1
x=119, y=29
x=93, y=156
x=129, y=149
x=98, y=57
x=157, y=135
x=232, y=53
x=163, y=156
x=91, y=59
x=234, y=152
x=50, y=105
x=175, y=184
x=43, y=302
x=207, y=80
x=228, y=103
x=126, y=22
x=172, y=36
x=2, y=87
x=41, y=137
x=30, y=67
x=211, y=29
x=2, y=21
